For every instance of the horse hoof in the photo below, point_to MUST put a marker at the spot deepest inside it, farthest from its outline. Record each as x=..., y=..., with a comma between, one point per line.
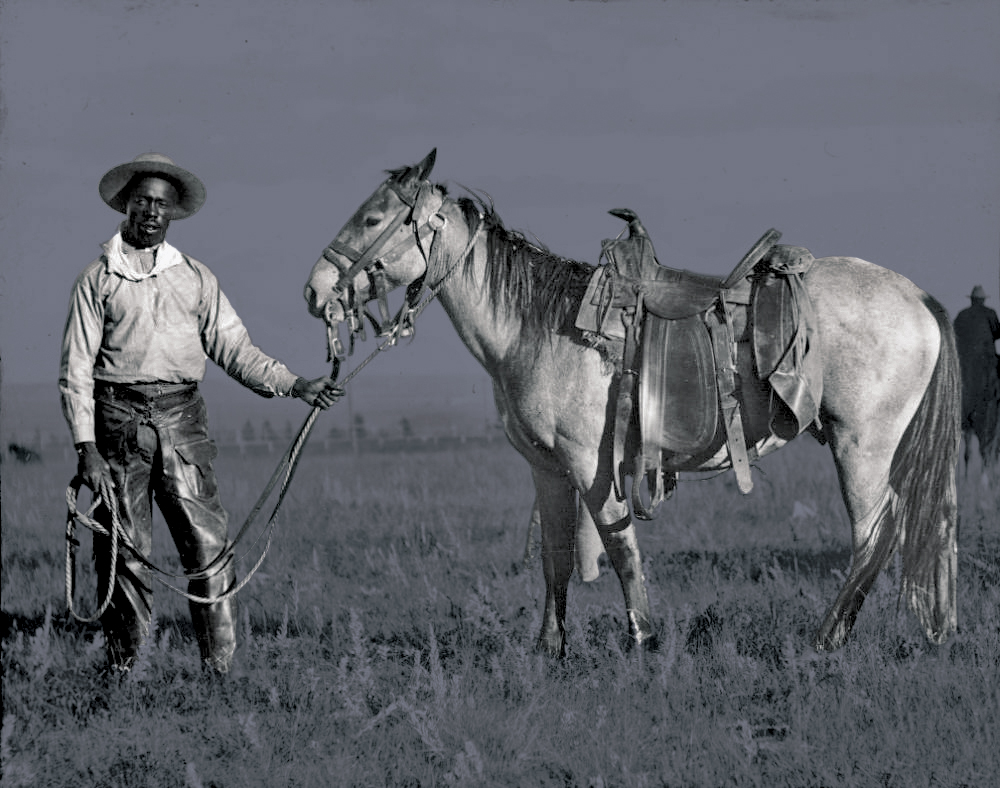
x=550, y=649
x=826, y=643
x=646, y=644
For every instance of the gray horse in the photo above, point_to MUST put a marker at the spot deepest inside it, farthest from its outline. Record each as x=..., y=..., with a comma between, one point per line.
x=889, y=408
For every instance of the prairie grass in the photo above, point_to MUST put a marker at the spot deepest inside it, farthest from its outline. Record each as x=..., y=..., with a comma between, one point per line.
x=388, y=641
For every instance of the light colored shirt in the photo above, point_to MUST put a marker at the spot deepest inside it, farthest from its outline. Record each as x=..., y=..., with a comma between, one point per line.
x=132, y=323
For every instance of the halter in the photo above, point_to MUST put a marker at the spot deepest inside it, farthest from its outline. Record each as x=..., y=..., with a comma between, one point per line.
x=372, y=261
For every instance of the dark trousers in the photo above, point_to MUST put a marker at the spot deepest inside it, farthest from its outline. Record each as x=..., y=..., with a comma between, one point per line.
x=155, y=438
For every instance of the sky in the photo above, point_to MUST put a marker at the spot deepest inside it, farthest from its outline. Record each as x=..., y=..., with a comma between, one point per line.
x=854, y=128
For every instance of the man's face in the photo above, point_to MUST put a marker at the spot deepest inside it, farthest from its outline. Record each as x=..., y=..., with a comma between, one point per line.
x=148, y=212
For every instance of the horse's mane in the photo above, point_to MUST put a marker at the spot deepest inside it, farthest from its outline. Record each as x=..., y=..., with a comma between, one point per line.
x=523, y=277
x=526, y=278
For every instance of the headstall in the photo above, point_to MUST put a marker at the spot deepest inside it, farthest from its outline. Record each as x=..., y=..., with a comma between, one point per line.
x=425, y=221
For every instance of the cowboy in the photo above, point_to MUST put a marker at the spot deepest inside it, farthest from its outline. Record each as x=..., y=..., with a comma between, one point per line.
x=976, y=331
x=143, y=317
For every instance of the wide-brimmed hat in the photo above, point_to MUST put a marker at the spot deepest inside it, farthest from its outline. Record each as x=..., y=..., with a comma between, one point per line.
x=190, y=190
x=978, y=292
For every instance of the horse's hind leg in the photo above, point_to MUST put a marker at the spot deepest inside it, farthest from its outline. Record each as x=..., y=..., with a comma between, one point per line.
x=556, y=502
x=966, y=451
x=863, y=465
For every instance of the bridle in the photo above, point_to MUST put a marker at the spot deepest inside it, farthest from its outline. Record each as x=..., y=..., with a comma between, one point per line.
x=423, y=216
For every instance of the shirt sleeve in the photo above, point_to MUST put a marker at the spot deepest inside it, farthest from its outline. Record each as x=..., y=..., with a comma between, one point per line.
x=227, y=342
x=81, y=343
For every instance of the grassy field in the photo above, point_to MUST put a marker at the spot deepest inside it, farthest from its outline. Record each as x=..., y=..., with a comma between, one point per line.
x=387, y=641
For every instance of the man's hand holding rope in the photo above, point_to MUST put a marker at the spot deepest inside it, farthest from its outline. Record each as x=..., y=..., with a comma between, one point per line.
x=319, y=393
x=92, y=467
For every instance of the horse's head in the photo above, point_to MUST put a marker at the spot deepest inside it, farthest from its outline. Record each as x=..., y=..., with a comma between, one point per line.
x=382, y=247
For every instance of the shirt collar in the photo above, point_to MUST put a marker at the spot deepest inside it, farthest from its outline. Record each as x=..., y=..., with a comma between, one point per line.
x=118, y=253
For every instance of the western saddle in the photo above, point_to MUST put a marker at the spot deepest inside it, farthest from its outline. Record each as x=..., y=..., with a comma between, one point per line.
x=721, y=366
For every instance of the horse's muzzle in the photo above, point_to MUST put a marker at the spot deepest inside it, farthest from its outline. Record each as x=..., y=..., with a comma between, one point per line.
x=329, y=308
x=312, y=301
x=321, y=289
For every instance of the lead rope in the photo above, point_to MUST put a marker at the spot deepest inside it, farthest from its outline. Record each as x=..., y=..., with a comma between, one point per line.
x=288, y=463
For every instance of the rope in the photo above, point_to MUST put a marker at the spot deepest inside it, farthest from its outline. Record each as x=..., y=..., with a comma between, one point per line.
x=72, y=544
x=288, y=464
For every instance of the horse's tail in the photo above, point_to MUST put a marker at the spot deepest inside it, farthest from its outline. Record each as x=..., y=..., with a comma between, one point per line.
x=923, y=478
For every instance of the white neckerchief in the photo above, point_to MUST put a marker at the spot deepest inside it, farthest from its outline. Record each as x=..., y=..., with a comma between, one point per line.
x=165, y=256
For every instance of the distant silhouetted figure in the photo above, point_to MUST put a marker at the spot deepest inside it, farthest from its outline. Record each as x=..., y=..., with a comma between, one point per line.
x=976, y=330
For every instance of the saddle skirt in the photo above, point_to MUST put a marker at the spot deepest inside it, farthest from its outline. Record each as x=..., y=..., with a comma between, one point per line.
x=723, y=369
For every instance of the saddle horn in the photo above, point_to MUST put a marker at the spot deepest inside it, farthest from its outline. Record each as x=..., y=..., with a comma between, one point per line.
x=635, y=228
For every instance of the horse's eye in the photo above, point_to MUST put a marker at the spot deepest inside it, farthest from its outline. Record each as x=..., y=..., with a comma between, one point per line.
x=373, y=221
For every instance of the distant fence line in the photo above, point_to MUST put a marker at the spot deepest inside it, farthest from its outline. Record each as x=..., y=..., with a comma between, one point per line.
x=229, y=443
x=369, y=444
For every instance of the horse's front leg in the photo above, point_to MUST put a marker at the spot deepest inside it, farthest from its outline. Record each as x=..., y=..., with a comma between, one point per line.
x=556, y=501
x=618, y=535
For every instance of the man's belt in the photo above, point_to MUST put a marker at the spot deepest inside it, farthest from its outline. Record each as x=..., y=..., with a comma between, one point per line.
x=158, y=394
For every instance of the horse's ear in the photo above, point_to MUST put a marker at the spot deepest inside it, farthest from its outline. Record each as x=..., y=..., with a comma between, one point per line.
x=425, y=167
